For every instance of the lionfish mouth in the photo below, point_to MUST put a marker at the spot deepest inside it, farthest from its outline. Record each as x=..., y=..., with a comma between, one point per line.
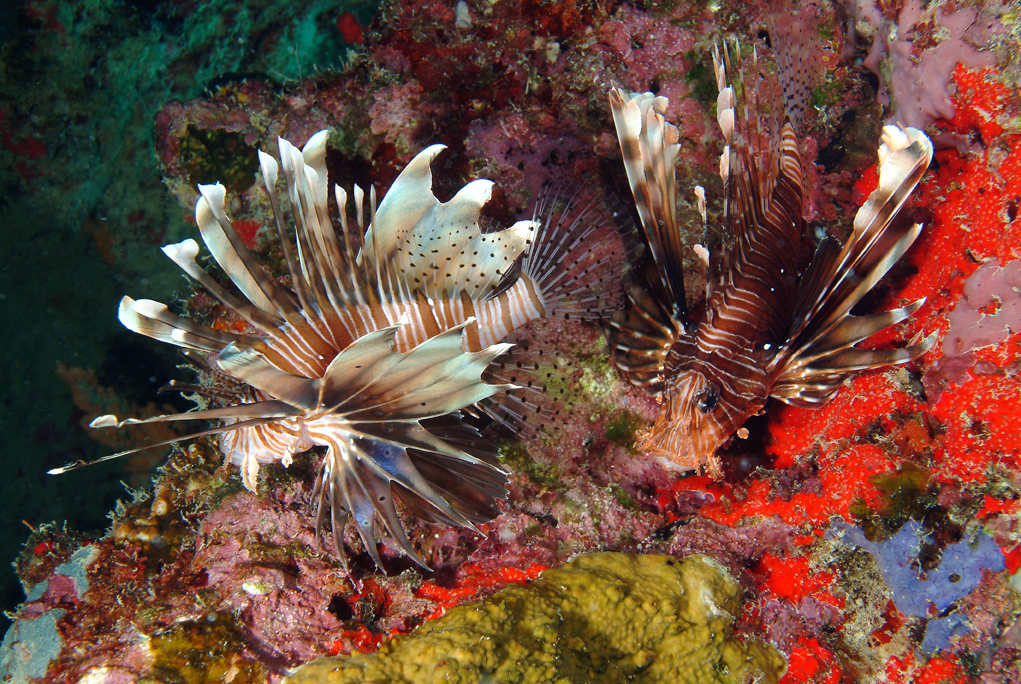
x=390, y=330
x=685, y=436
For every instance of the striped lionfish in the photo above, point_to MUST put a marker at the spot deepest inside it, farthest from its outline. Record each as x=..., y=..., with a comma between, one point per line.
x=766, y=329
x=383, y=338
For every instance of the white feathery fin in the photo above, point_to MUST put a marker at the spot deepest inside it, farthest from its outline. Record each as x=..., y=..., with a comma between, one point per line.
x=317, y=243
x=725, y=114
x=432, y=379
x=252, y=369
x=350, y=259
x=226, y=247
x=314, y=154
x=247, y=415
x=447, y=253
x=319, y=223
x=649, y=146
x=155, y=320
x=184, y=253
x=405, y=203
x=270, y=172
x=293, y=164
x=359, y=366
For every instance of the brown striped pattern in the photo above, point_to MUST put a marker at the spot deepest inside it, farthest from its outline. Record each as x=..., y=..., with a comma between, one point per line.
x=765, y=330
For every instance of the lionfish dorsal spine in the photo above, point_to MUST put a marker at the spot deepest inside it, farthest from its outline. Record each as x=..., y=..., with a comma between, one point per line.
x=762, y=172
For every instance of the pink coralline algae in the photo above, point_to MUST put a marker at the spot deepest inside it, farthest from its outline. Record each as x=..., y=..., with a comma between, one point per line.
x=201, y=567
x=922, y=47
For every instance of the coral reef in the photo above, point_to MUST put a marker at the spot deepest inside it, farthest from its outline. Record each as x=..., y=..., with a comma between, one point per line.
x=603, y=617
x=199, y=579
x=922, y=47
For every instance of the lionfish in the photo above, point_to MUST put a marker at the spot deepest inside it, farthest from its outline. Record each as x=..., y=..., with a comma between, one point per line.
x=383, y=340
x=765, y=329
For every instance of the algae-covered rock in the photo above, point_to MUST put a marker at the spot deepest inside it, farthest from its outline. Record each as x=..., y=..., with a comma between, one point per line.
x=604, y=617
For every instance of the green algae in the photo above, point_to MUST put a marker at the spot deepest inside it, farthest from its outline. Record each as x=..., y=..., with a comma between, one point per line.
x=604, y=617
x=907, y=493
x=206, y=650
x=701, y=78
x=621, y=429
x=219, y=156
x=515, y=456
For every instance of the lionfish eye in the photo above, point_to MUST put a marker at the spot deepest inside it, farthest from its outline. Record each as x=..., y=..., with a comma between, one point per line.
x=707, y=398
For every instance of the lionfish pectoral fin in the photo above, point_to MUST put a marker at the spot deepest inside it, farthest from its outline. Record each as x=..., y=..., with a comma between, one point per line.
x=434, y=378
x=429, y=380
x=363, y=510
x=358, y=367
x=378, y=492
x=649, y=146
x=249, y=367
x=854, y=329
x=399, y=469
x=641, y=336
x=252, y=415
x=819, y=351
x=364, y=487
x=874, y=246
x=413, y=435
x=815, y=384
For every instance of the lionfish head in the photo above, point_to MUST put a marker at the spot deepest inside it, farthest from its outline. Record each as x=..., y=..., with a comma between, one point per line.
x=694, y=420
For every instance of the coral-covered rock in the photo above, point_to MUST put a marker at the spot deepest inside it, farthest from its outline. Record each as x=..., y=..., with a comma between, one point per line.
x=601, y=618
x=201, y=577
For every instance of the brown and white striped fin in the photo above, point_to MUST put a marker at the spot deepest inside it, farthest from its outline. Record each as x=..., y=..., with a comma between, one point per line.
x=153, y=319
x=649, y=146
x=226, y=246
x=819, y=352
x=434, y=378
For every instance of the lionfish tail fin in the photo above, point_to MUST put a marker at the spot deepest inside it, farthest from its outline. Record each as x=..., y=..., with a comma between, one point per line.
x=820, y=348
x=576, y=254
